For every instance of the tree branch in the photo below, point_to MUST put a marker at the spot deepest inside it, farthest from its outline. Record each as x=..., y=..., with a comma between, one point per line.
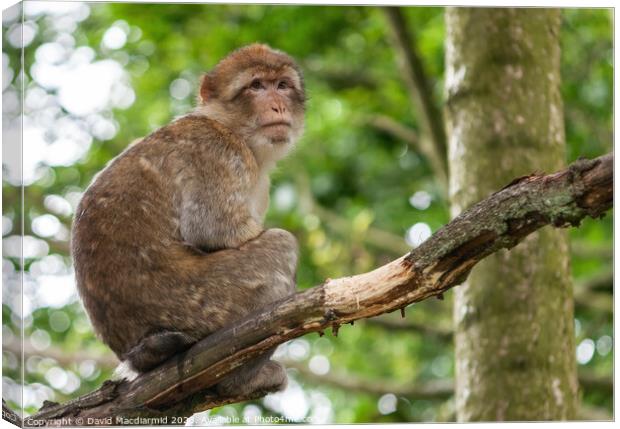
x=433, y=389
x=591, y=381
x=600, y=282
x=587, y=295
x=396, y=129
x=585, y=250
x=417, y=83
x=426, y=390
x=420, y=328
x=376, y=237
x=443, y=261
x=341, y=78
x=599, y=302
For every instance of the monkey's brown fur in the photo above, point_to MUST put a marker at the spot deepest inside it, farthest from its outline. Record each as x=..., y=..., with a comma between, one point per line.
x=168, y=243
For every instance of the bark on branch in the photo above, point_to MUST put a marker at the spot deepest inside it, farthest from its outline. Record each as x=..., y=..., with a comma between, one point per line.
x=179, y=387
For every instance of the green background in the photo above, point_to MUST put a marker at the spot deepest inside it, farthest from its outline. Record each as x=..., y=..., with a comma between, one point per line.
x=344, y=192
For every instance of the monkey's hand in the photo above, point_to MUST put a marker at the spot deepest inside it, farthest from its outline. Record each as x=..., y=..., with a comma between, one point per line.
x=247, y=230
x=216, y=238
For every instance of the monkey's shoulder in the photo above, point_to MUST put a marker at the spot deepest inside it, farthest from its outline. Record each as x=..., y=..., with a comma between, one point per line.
x=190, y=147
x=204, y=131
x=197, y=139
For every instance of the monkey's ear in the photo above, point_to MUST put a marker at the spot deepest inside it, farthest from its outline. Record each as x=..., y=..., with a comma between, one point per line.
x=204, y=93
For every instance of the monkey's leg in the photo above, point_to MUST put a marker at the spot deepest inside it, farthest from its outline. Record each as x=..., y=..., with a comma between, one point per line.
x=156, y=348
x=272, y=257
x=258, y=375
x=258, y=273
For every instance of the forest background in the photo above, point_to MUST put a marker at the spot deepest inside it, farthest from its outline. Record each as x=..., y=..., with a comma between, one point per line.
x=357, y=191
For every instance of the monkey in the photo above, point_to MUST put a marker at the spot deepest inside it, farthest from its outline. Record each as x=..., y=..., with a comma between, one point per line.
x=168, y=240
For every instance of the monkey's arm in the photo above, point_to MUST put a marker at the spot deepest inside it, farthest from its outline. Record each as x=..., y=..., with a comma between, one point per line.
x=214, y=209
x=207, y=225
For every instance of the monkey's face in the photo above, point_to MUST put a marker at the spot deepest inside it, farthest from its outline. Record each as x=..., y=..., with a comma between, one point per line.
x=272, y=104
x=258, y=93
x=267, y=109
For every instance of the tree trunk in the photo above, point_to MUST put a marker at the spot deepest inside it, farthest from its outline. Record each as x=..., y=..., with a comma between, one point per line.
x=514, y=340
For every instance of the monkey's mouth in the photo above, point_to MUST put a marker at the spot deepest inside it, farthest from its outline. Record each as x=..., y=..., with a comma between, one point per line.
x=277, y=124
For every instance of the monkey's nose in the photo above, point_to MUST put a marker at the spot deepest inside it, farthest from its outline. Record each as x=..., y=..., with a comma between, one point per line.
x=278, y=109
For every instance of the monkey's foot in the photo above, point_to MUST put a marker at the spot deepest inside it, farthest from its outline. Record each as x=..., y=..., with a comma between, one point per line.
x=267, y=378
x=157, y=348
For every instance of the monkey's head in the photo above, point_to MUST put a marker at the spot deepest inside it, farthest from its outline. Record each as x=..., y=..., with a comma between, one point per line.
x=259, y=93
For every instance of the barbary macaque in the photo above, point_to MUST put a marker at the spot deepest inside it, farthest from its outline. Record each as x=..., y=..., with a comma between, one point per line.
x=168, y=240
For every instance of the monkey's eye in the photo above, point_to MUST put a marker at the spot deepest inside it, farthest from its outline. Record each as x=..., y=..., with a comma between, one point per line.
x=256, y=84
x=282, y=85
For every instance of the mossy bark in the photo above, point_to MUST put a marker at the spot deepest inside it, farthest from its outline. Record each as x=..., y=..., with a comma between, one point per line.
x=514, y=340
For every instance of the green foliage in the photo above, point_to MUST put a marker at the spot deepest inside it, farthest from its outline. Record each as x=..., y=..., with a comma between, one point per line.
x=344, y=180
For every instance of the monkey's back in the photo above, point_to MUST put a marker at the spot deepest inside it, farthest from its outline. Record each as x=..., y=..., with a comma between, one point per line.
x=134, y=273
